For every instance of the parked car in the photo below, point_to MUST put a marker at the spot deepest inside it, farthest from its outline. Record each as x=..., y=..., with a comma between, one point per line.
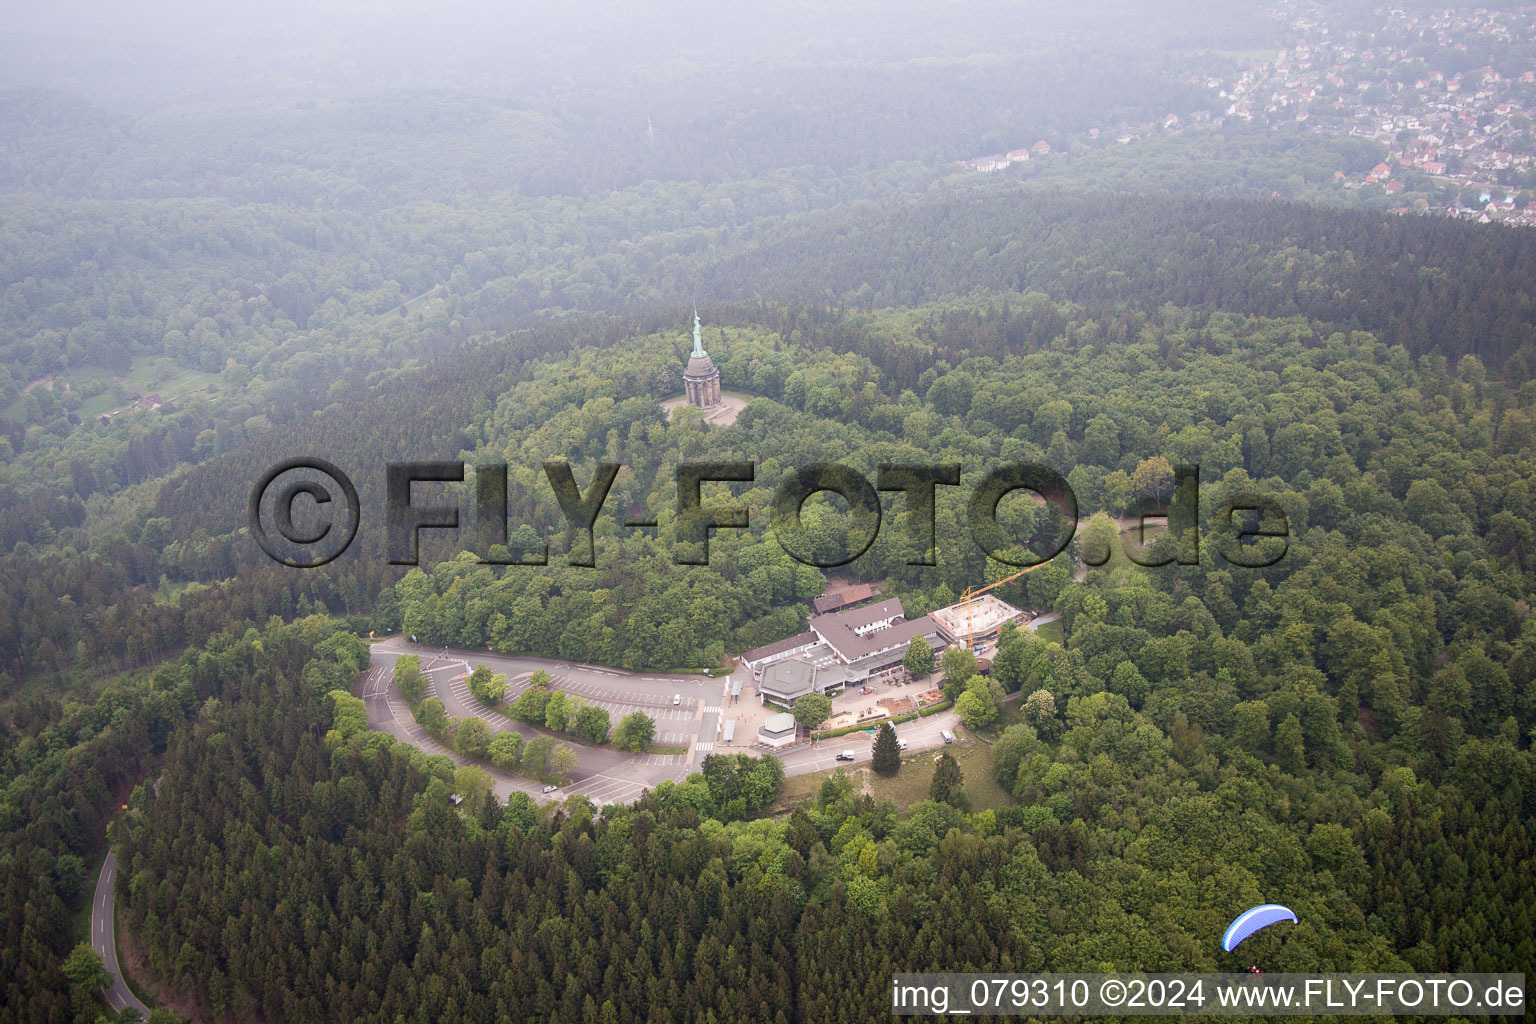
x=677, y=699
x=550, y=789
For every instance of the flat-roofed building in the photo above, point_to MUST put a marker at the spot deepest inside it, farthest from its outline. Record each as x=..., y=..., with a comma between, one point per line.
x=788, y=679
x=783, y=681
x=778, y=731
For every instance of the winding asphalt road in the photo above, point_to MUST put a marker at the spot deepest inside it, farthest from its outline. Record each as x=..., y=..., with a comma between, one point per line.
x=104, y=938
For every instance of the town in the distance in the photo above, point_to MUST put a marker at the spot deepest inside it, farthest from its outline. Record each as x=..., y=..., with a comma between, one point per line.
x=1446, y=96
x=781, y=513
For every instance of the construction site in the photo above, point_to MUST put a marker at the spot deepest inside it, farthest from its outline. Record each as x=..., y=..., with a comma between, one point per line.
x=979, y=619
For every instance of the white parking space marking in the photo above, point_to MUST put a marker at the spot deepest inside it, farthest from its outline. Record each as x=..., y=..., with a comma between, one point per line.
x=606, y=789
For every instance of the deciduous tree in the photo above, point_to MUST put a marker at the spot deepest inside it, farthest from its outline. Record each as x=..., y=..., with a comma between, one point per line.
x=409, y=680
x=473, y=738
x=635, y=732
x=812, y=709
x=432, y=716
x=918, y=659
x=592, y=723
x=487, y=687
x=506, y=750
x=562, y=761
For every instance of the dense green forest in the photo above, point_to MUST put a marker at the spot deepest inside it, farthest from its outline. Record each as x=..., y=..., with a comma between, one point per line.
x=66, y=768
x=499, y=265
x=657, y=912
x=282, y=872
x=1347, y=731
x=1426, y=290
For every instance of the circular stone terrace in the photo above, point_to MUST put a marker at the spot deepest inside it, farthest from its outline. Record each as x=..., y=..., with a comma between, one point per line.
x=724, y=414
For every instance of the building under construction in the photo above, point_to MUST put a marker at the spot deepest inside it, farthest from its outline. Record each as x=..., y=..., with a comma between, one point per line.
x=979, y=619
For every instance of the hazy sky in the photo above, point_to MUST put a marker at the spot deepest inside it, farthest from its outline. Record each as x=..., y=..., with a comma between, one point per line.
x=140, y=55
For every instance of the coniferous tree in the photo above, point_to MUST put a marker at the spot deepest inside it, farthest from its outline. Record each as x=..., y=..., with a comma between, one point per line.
x=886, y=759
x=948, y=784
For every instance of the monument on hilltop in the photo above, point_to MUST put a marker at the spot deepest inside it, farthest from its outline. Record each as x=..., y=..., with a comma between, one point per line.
x=701, y=378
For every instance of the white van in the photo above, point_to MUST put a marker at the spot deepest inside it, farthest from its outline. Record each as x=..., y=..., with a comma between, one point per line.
x=901, y=743
x=846, y=755
x=947, y=736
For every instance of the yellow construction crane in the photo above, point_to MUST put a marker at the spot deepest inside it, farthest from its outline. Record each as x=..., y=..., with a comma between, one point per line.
x=971, y=592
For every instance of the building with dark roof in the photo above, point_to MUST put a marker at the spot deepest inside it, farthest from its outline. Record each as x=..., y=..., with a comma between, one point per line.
x=834, y=600
x=841, y=649
x=872, y=639
x=760, y=657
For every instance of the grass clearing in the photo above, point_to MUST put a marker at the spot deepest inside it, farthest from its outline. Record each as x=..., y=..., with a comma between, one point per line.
x=797, y=787
x=1050, y=631
x=165, y=375
x=910, y=785
x=102, y=392
x=1008, y=713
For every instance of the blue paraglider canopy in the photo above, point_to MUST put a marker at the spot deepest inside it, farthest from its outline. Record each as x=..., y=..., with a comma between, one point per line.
x=1250, y=921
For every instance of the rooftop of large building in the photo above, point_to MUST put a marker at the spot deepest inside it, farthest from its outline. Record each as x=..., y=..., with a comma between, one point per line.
x=789, y=676
x=862, y=631
x=780, y=646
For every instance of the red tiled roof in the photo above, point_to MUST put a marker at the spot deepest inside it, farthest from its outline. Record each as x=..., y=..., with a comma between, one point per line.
x=833, y=600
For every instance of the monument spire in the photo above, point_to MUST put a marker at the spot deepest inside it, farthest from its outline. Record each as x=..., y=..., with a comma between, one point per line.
x=701, y=378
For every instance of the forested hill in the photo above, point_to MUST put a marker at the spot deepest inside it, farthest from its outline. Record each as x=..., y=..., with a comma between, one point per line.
x=281, y=866
x=1436, y=288
x=1427, y=285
